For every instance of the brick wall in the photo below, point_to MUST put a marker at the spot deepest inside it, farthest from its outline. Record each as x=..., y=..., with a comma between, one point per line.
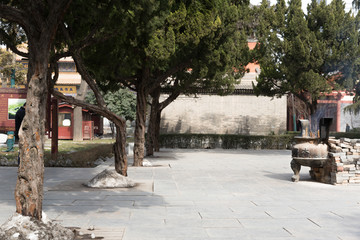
x=345, y=159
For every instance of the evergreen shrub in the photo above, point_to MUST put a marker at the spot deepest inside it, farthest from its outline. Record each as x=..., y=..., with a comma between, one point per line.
x=226, y=141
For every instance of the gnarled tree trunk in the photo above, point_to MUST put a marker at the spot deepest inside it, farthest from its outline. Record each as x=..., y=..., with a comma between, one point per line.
x=157, y=131
x=152, y=139
x=139, y=135
x=119, y=149
x=120, y=144
x=29, y=186
x=151, y=132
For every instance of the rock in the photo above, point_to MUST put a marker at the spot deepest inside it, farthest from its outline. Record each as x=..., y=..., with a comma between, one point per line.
x=110, y=179
x=22, y=227
x=3, y=138
x=147, y=163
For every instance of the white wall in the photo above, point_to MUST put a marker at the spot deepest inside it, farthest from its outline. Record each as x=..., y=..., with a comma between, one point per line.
x=234, y=114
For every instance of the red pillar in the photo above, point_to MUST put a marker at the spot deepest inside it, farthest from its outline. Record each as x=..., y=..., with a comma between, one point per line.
x=54, y=129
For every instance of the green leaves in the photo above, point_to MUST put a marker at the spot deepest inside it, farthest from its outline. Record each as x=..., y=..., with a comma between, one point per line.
x=121, y=102
x=151, y=42
x=7, y=65
x=161, y=45
x=301, y=53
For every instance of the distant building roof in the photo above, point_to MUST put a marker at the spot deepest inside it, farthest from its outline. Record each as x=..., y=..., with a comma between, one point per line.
x=247, y=80
x=69, y=78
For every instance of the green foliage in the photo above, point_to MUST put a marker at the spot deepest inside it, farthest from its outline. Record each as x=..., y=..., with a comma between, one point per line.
x=7, y=65
x=353, y=108
x=121, y=102
x=356, y=4
x=353, y=134
x=307, y=55
x=154, y=40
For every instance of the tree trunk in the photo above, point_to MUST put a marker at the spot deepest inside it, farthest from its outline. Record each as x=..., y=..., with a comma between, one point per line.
x=29, y=186
x=119, y=149
x=157, y=131
x=151, y=131
x=150, y=135
x=40, y=21
x=120, y=144
x=155, y=117
x=139, y=135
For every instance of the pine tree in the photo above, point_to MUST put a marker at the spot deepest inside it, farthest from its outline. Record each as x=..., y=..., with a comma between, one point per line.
x=39, y=20
x=307, y=55
x=189, y=41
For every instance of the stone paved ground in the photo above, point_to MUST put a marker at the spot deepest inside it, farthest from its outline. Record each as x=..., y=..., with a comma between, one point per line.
x=200, y=194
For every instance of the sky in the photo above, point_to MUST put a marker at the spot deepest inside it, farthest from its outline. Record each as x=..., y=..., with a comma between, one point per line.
x=348, y=3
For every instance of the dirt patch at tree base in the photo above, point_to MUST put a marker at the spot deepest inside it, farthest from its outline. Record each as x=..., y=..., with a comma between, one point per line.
x=83, y=158
x=86, y=157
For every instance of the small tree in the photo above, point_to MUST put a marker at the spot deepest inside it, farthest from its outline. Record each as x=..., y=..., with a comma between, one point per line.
x=121, y=102
x=8, y=65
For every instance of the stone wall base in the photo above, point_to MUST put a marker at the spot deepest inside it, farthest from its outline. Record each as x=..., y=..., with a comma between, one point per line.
x=344, y=156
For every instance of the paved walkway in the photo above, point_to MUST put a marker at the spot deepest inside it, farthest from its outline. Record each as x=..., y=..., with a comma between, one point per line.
x=200, y=194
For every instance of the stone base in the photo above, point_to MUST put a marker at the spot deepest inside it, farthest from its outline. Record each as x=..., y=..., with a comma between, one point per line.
x=22, y=227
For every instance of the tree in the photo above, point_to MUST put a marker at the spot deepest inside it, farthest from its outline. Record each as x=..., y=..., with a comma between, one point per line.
x=153, y=131
x=8, y=64
x=165, y=40
x=39, y=20
x=307, y=55
x=121, y=102
x=356, y=4
x=189, y=86
x=75, y=35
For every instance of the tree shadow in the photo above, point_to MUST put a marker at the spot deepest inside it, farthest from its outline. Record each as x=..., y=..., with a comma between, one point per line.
x=304, y=175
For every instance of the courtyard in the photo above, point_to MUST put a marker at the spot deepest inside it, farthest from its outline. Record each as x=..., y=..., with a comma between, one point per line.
x=198, y=194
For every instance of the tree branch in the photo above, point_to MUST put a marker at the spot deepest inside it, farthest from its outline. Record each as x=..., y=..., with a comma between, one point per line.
x=57, y=56
x=104, y=111
x=171, y=71
x=52, y=80
x=6, y=38
x=57, y=8
x=86, y=76
x=16, y=15
x=75, y=53
x=172, y=96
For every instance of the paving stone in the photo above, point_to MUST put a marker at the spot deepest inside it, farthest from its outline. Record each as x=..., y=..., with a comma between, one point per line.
x=206, y=194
